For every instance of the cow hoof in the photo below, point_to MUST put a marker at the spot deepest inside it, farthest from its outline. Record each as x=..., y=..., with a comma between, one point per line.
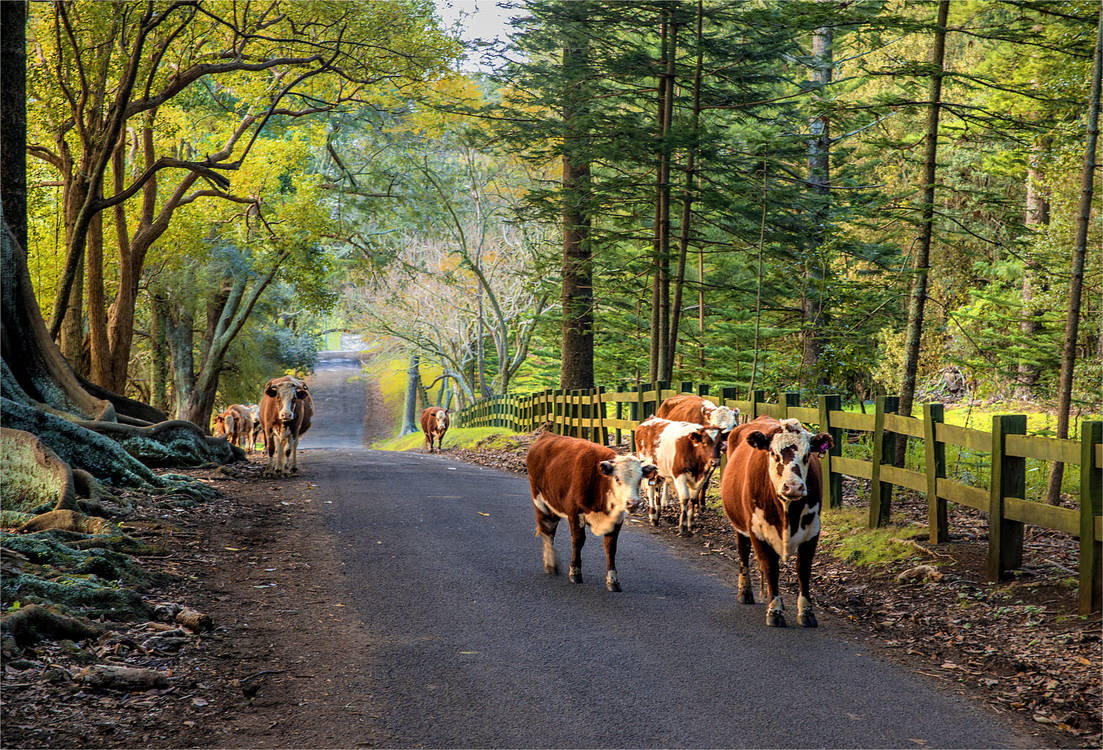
x=294, y=470
x=807, y=620
x=552, y=570
x=775, y=614
x=613, y=586
x=612, y=582
x=745, y=597
x=576, y=575
x=654, y=521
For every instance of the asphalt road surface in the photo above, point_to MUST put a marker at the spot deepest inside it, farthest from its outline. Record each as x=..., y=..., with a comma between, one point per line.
x=477, y=647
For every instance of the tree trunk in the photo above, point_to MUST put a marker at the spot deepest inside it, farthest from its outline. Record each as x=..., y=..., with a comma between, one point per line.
x=819, y=179
x=661, y=302
x=687, y=198
x=926, y=224
x=1036, y=217
x=413, y=384
x=158, y=364
x=1076, y=275
x=13, y=113
x=577, y=365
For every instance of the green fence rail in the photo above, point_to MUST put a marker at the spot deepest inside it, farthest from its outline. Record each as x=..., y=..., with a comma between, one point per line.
x=601, y=415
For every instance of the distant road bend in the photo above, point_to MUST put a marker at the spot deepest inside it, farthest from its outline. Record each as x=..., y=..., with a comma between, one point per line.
x=478, y=648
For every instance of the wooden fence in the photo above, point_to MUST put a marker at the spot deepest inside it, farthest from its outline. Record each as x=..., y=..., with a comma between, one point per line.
x=599, y=414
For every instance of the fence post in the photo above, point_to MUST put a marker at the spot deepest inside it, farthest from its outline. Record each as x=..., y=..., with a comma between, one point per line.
x=687, y=386
x=702, y=389
x=756, y=396
x=1005, y=538
x=599, y=407
x=635, y=409
x=1091, y=507
x=934, y=460
x=790, y=398
x=884, y=444
x=832, y=480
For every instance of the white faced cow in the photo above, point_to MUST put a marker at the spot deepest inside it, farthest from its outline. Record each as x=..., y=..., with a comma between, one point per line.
x=771, y=494
x=235, y=424
x=587, y=484
x=685, y=455
x=285, y=412
x=434, y=423
x=686, y=407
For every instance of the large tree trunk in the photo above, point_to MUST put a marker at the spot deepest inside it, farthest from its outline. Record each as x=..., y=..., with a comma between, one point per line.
x=577, y=364
x=819, y=176
x=413, y=384
x=1076, y=275
x=687, y=197
x=660, y=318
x=13, y=113
x=921, y=266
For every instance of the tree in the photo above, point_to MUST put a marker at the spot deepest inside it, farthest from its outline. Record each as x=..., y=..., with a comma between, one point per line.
x=250, y=71
x=1079, y=253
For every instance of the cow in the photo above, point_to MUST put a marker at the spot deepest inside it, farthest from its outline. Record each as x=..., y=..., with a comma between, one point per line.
x=254, y=411
x=434, y=423
x=285, y=412
x=686, y=407
x=685, y=455
x=771, y=495
x=589, y=485
x=235, y=424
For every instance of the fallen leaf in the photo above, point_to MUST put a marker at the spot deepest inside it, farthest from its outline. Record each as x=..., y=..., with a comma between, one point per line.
x=481, y=513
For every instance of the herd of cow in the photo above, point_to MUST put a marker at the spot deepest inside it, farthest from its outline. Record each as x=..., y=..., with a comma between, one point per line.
x=280, y=419
x=770, y=490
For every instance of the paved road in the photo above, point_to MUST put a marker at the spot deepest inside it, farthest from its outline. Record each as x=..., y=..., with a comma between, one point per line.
x=478, y=648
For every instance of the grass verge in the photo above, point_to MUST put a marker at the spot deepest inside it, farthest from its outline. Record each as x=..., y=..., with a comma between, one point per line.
x=458, y=437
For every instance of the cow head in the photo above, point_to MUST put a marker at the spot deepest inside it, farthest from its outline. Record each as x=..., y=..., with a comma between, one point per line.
x=626, y=473
x=219, y=425
x=719, y=420
x=790, y=448
x=229, y=419
x=286, y=392
x=442, y=419
x=704, y=442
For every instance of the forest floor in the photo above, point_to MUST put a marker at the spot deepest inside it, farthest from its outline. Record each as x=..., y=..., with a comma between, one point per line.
x=272, y=670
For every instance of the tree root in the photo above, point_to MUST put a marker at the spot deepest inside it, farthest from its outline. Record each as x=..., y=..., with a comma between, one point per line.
x=34, y=622
x=128, y=679
x=67, y=520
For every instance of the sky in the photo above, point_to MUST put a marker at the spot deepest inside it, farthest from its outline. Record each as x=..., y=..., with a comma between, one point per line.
x=481, y=19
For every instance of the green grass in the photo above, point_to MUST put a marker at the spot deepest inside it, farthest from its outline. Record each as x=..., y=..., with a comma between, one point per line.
x=390, y=374
x=457, y=437
x=845, y=536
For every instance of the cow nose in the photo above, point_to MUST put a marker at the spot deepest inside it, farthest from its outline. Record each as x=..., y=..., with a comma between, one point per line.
x=287, y=414
x=792, y=490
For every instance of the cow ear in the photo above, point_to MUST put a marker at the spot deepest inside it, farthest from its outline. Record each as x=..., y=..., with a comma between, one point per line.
x=301, y=393
x=606, y=468
x=695, y=437
x=822, y=443
x=757, y=440
x=270, y=391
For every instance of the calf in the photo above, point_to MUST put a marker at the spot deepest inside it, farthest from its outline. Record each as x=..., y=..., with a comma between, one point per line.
x=686, y=407
x=434, y=423
x=587, y=484
x=771, y=495
x=285, y=412
x=254, y=411
x=685, y=455
x=235, y=424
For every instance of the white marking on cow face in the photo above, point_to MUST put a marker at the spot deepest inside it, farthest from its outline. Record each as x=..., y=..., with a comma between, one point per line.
x=720, y=417
x=625, y=473
x=442, y=423
x=790, y=452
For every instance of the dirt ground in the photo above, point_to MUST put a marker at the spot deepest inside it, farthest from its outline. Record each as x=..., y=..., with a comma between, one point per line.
x=272, y=671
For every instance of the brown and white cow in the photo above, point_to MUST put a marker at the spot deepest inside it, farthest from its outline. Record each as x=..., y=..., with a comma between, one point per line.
x=771, y=494
x=235, y=424
x=587, y=484
x=687, y=407
x=254, y=411
x=434, y=423
x=285, y=412
x=685, y=455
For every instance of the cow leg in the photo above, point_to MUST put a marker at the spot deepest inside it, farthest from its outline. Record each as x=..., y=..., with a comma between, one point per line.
x=768, y=567
x=270, y=445
x=611, y=581
x=294, y=454
x=685, y=507
x=429, y=443
x=805, y=552
x=743, y=547
x=546, y=524
x=654, y=512
x=578, y=538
